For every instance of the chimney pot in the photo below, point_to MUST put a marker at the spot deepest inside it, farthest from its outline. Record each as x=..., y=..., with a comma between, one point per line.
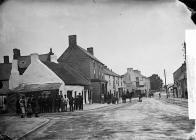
x=72, y=40
x=90, y=50
x=6, y=59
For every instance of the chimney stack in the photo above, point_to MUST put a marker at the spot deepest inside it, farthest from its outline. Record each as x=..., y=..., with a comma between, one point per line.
x=53, y=58
x=51, y=53
x=129, y=69
x=34, y=57
x=16, y=53
x=90, y=50
x=6, y=59
x=72, y=40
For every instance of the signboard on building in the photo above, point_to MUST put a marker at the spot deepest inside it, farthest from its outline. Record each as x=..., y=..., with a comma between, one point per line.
x=191, y=72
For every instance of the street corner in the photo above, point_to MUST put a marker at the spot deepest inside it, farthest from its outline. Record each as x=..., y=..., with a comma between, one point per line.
x=16, y=127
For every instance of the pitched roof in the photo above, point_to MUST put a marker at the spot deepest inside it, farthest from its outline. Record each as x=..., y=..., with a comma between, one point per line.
x=68, y=51
x=5, y=71
x=88, y=54
x=25, y=61
x=109, y=72
x=69, y=75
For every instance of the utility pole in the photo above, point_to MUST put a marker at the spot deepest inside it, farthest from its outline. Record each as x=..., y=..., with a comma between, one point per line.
x=184, y=46
x=165, y=81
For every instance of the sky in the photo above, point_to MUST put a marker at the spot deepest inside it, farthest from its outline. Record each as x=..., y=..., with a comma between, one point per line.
x=141, y=34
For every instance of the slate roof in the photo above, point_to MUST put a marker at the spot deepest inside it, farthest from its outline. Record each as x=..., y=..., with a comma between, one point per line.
x=89, y=54
x=180, y=73
x=25, y=61
x=69, y=49
x=5, y=71
x=69, y=75
x=109, y=72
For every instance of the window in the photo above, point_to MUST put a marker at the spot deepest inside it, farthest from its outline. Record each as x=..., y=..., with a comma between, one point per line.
x=137, y=79
x=94, y=73
x=1, y=84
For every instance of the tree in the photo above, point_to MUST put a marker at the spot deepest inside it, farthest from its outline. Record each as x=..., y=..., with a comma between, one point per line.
x=155, y=82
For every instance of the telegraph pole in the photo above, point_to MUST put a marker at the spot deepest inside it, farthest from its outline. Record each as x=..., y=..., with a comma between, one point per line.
x=184, y=46
x=165, y=81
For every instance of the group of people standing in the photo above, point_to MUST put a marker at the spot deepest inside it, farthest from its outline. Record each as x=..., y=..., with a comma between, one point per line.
x=27, y=106
x=76, y=103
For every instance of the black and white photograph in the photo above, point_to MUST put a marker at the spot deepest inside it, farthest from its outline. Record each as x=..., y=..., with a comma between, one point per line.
x=97, y=70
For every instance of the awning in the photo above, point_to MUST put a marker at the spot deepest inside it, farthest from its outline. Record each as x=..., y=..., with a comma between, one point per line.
x=37, y=87
x=4, y=91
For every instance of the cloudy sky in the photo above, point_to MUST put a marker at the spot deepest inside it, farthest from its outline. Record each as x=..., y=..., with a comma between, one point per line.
x=143, y=34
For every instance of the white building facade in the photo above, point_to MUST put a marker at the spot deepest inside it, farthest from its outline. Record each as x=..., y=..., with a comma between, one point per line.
x=38, y=73
x=115, y=84
x=134, y=81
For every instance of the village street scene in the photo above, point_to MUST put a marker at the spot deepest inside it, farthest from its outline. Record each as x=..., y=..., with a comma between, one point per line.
x=88, y=70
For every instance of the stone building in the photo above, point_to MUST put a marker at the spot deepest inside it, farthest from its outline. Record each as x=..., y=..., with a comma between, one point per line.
x=88, y=65
x=5, y=70
x=135, y=81
x=180, y=82
x=115, y=84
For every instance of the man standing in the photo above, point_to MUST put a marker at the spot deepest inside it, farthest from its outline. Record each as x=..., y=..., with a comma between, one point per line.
x=71, y=103
x=66, y=100
x=22, y=106
x=80, y=102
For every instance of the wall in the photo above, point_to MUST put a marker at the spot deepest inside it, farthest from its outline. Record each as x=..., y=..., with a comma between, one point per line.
x=78, y=60
x=130, y=81
x=96, y=92
x=98, y=67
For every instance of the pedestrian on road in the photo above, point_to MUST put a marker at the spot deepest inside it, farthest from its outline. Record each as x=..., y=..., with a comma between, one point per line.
x=18, y=111
x=40, y=103
x=66, y=100
x=44, y=103
x=22, y=106
x=29, y=108
x=57, y=103
x=159, y=95
x=71, y=100
x=76, y=103
x=35, y=106
x=50, y=100
x=140, y=97
x=80, y=102
x=62, y=104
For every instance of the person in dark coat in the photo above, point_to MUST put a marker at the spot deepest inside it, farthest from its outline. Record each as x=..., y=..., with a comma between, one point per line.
x=71, y=100
x=62, y=103
x=35, y=106
x=47, y=104
x=57, y=103
x=50, y=100
x=44, y=104
x=22, y=106
x=29, y=108
x=75, y=103
x=40, y=104
x=140, y=97
x=80, y=101
x=18, y=111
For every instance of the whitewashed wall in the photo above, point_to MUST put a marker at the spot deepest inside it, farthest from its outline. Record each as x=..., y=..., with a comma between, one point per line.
x=39, y=73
